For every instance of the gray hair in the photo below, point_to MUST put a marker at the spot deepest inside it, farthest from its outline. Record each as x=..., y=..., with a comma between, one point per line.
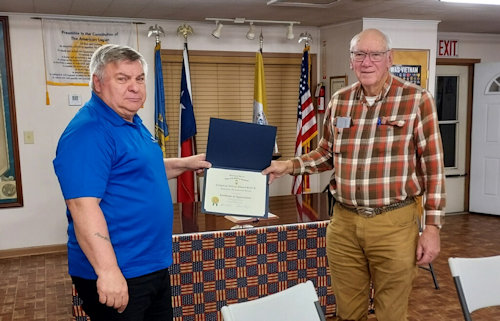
x=110, y=53
x=355, y=39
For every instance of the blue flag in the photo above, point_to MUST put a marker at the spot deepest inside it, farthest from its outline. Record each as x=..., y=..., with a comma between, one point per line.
x=161, y=128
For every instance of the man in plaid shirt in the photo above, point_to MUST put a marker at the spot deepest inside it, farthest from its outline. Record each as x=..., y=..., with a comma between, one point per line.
x=381, y=138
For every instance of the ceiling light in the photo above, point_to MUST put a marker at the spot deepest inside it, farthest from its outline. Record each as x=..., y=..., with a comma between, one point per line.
x=251, y=32
x=303, y=3
x=217, y=30
x=289, y=32
x=495, y=2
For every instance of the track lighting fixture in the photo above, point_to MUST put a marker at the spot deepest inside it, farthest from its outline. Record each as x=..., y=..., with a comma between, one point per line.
x=251, y=31
x=289, y=32
x=218, y=29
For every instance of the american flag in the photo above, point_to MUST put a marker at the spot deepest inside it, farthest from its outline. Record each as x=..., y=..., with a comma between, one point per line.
x=307, y=128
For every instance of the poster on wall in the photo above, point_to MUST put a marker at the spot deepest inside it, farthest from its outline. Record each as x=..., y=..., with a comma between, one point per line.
x=10, y=172
x=411, y=73
x=411, y=65
x=69, y=45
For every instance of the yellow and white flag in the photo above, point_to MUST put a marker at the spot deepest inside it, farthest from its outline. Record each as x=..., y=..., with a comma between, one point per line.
x=259, y=92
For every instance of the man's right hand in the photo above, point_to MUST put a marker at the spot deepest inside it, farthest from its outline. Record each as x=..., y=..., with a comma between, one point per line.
x=113, y=289
x=278, y=169
x=91, y=231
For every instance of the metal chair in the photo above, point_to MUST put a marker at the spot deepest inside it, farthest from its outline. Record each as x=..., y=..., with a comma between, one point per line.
x=421, y=222
x=429, y=267
x=297, y=303
x=477, y=282
x=331, y=200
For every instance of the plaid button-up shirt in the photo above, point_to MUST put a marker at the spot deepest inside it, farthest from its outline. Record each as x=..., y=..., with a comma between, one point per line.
x=381, y=154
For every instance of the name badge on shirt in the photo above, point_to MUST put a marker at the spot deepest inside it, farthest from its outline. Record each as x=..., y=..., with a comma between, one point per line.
x=343, y=122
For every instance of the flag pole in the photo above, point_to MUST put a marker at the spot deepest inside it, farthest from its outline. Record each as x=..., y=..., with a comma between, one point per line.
x=306, y=118
x=161, y=129
x=276, y=153
x=261, y=41
x=185, y=30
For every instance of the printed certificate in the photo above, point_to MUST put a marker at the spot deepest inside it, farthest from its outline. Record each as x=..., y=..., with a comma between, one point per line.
x=235, y=192
x=238, y=152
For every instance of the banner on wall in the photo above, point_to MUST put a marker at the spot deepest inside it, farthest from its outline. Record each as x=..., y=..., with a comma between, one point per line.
x=69, y=45
x=412, y=73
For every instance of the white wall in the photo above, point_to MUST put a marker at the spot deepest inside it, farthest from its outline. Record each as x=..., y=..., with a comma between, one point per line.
x=474, y=46
x=42, y=219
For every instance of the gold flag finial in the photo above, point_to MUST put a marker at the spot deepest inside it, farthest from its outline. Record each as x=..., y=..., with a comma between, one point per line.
x=185, y=30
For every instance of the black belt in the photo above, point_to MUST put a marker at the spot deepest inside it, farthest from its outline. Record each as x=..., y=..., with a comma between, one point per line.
x=371, y=212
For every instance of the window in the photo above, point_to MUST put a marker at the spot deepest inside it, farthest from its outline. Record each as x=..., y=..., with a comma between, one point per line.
x=494, y=86
x=222, y=86
x=446, y=104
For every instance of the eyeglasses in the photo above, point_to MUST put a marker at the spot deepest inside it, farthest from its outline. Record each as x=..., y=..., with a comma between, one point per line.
x=375, y=56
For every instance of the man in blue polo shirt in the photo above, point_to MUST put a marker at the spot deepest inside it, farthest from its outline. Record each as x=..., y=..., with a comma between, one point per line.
x=114, y=180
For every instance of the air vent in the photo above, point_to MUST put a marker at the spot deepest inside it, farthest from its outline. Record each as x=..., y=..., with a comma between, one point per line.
x=303, y=3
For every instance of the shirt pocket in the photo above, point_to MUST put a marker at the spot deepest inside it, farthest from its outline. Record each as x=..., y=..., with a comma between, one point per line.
x=342, y=139
x=389, y=135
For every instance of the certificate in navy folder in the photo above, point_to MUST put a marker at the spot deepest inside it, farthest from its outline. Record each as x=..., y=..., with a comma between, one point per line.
x=238, y=152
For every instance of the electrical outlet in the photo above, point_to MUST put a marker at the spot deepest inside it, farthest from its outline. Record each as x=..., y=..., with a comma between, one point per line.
x=29, y=137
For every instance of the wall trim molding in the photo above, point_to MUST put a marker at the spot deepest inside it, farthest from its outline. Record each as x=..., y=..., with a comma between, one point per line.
x=35, y=250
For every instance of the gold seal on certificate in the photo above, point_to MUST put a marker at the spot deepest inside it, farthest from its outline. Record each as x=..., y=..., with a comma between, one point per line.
x=235, y=192
x=238, y=151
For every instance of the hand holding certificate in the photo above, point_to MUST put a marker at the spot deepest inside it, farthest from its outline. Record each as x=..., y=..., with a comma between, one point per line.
x=238, y=152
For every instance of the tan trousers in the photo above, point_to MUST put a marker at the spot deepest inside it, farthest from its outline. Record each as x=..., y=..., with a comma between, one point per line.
x=381, y=249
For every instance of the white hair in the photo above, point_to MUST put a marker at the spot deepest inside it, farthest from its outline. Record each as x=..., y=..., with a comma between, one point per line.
x=355, y=39
x=111, y=53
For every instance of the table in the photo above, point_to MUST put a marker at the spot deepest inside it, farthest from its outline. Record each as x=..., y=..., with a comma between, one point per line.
x=214, y=265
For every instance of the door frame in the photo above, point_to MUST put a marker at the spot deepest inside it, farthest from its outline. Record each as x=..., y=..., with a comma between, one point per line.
x=470, y=64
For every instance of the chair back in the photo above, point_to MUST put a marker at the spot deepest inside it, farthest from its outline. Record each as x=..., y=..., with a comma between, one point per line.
x=297, y=303
x=477, y=281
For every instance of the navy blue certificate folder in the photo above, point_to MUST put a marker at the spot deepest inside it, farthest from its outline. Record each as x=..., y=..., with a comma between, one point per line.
x=240, y=145
x=239, y=148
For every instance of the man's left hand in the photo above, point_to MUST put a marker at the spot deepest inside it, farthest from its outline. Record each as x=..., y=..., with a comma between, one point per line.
x=429, y=245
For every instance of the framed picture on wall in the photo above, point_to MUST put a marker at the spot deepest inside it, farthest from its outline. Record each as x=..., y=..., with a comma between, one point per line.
x=411, y=65
x=337, y=82
x=10, y=173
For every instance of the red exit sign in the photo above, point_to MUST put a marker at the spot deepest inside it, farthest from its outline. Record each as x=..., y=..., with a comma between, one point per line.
x=447, y=48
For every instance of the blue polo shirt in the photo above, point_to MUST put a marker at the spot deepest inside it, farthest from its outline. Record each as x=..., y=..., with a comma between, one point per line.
x=101, y=155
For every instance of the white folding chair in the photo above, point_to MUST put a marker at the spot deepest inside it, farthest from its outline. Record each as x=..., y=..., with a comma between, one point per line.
x=297, y=303
x=477, y=281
